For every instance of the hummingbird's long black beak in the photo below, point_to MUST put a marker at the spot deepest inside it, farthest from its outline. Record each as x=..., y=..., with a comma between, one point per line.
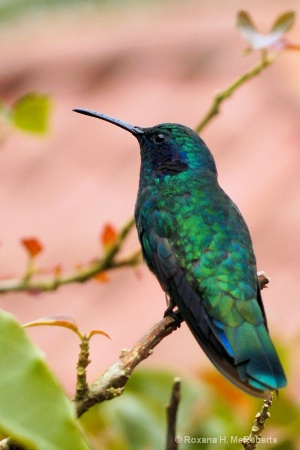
x=132, y=129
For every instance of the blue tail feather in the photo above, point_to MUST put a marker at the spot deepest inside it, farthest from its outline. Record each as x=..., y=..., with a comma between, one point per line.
x=255, y=356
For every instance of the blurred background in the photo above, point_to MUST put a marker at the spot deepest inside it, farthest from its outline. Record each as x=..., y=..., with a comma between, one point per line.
x=145, y=63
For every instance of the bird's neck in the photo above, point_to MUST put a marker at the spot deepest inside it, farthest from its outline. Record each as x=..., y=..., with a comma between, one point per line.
x=157, y=184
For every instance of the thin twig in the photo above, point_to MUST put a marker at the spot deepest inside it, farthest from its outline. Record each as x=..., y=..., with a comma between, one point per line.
x=81, y=275
x=171, y=409
x=250, y=443
x=214, y=109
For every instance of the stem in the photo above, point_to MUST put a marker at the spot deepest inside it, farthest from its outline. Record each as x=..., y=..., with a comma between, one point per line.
x=250, y=443
x=82, y=388
x=226, y=93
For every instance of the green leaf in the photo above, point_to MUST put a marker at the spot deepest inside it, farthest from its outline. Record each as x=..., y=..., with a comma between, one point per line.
x=31, y=113
x=34, y=411
x=244, y=22
x=247, y=28
x=283, y=23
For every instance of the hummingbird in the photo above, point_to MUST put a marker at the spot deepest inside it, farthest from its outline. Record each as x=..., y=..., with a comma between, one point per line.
x=196, y=242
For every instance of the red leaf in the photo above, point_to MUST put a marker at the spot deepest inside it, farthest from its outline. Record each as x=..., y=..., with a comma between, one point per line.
x=102, y=277
x=93, y=332
x=108, y=235
x=32, y=245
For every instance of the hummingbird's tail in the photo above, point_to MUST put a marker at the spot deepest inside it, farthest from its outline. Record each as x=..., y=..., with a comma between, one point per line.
x=244, y=354
x=255, y=357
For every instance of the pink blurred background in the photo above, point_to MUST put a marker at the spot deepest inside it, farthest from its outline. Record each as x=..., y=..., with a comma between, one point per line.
x=146, y=64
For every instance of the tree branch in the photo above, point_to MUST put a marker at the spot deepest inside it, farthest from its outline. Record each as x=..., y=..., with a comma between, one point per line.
x=171, y=410
x=112, y=383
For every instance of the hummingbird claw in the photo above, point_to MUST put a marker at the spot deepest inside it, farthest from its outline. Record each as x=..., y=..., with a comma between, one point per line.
x=175, y=315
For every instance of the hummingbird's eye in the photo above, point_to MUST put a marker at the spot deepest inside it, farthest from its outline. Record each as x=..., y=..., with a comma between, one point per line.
x=159, y=138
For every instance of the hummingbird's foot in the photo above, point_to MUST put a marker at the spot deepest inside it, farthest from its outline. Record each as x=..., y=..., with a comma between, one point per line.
x=176, y=316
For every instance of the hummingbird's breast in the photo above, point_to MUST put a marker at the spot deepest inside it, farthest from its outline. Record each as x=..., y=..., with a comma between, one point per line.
x=206, y=231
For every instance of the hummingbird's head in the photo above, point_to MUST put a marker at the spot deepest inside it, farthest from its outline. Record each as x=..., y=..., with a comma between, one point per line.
x=171, y=148
x=166, y=149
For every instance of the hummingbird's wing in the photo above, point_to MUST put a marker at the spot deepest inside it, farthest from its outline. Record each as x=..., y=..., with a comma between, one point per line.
x=243, y=353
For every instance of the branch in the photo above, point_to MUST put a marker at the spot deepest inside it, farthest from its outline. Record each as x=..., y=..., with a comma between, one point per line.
x=250, y=443
x=83, y=274
x=226, y=93
x=172, y=408
x=112, y=383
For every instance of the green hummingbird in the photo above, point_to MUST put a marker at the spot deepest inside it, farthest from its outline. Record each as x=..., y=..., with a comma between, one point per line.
x=196, y=242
